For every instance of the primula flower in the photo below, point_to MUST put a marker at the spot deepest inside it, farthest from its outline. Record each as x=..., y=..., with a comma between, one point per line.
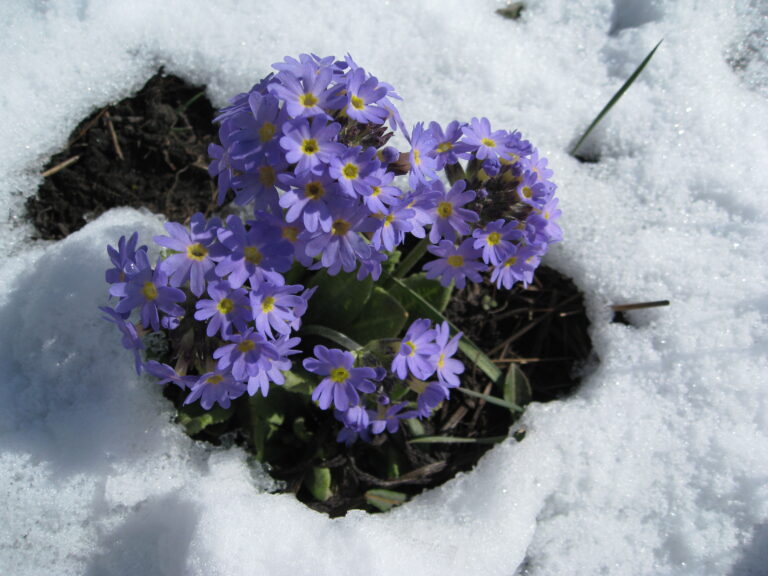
x=447, y=366
x=215, y=388
x=390, y=419
x=227, y=310
x=310, y=145
x=356, y=420
x=394, y=224
x=544, y=221
x=307, y=94
x=246, y=355
x=307, y=198
x=518, y=266
x=486, y=144
x=148, y=290
x=275, y=307
x=124, y=259
x=431, y=397
x=276, y=366
x=448, y=216
x=342, y=380
x=422, y=156
x=447, y=142
x=362, y=95
x=258, y=129
x=533, y=192
x=496, y=239
x=352, y=170
x=340, y=248
x=193, y=261
x=416, y=351
x=382, y=194
x=455, y=263
x=166, y=374
x=258, y=252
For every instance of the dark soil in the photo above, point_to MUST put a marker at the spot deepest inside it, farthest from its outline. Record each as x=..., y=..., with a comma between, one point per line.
x=151, y=151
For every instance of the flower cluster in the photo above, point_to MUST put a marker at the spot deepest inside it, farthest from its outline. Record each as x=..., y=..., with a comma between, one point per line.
x=305, y=155
x=307, y=146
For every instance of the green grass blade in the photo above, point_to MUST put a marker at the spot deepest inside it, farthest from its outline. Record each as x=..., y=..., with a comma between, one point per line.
x=615, y=98
x=456, y=440
x=332, y=335
x=512, y=407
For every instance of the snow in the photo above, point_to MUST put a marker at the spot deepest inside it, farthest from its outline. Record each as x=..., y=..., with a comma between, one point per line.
x=658, y=465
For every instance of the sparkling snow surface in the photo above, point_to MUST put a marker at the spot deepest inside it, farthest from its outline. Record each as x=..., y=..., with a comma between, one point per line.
x=658, y=465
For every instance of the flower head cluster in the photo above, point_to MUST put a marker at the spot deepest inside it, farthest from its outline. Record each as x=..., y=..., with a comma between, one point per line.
x=306, y=153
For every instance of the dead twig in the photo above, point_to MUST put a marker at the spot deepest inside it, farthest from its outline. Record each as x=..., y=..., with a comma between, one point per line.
x=61, y=166
x=113, y=134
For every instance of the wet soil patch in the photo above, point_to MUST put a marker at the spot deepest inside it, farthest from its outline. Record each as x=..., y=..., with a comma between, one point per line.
x=151, y=151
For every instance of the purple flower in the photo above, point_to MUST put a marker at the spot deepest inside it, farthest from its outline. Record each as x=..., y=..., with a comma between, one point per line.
x=390, y=419
x=431, y=397
x=544, y=221
x=308, y=198
x=215, y=387
x=449, y=218
x=342, y=380
x=340, y=248
x=416, y=351
x=382, y=194
x=193, y=261
x=166, y=374
x=533, y=192
x=274, y=307
x=422, y=156
x=496, y=239
x=447, y=366
x=353, y=168
x=518, y=266
x=124, y=259
x=257, y=129
x=248, y=355
x=394, y=223
x=307, y=94
x=309, y=146
x=356, y=421
x=447, y=143
x=362, y=95
x=455, y=263
x=486, y=143
x=148, y=291
x=258, y=252
x=227, y=310
x=131, y=340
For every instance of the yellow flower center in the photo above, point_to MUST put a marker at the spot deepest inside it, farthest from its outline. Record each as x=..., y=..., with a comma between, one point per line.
x=253, y=255
x=416, y=157
x=149, y=291
x=389, y=219
x=357, y=103
x=339, y=375
x=441, y=362
x=267, y=176
x=314, y=190
x=493, y=238
x=488, y=142
x=246, y=346
x=196, y=252
x=268, y=304
x=376, y=191
x=309, y=146
x=444, y=209
x=456, y=260
x=527, y=192
x=225, y=306
x=412, y=346
x=510, y=261
x=215, y=379
x=444, y=147
x=340, y=227
x=291, y=233
x=350, y=171
x=308, y=100
x=267, y=131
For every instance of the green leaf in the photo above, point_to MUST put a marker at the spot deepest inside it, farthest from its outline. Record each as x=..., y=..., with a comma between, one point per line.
x=385, y=500
x=517, y=388
x=456, y=440
x=298, y=381
x=318, y=482
x=468, y=347
x=411, y=259
x=382, y=317
x=615, y=98
x=195, y=419
x=338, y=300
x=332, y=335
x=511, y=406
x=430, y=290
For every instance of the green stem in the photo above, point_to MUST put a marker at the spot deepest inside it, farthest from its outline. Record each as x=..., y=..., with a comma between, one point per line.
x=411, y=259
x=332, y=335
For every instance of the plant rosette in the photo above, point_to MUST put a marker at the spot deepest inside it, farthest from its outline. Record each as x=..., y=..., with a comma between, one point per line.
x=309, y=319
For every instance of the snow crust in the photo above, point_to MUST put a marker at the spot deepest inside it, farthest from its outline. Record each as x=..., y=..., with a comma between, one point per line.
x=658, y=465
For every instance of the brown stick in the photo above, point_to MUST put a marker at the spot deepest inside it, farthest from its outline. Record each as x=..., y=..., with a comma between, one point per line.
x=61, y=166
x=113, y=134
x=639, y=305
